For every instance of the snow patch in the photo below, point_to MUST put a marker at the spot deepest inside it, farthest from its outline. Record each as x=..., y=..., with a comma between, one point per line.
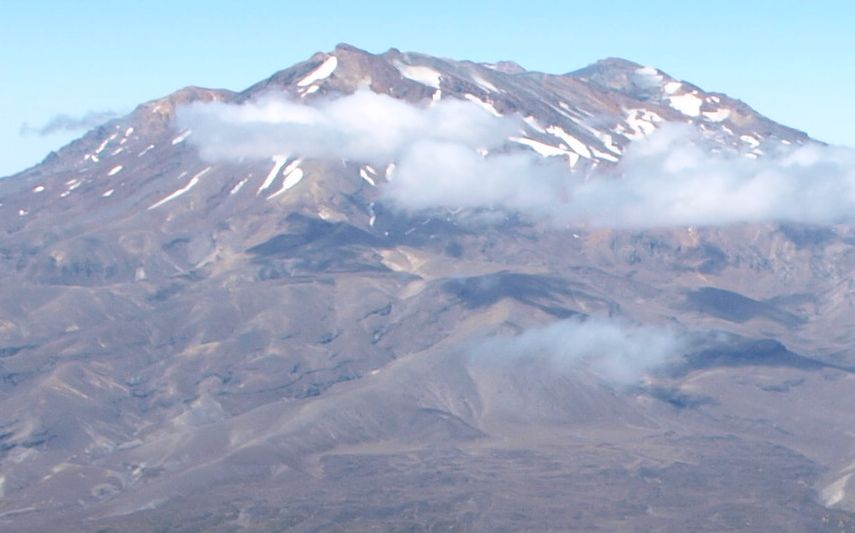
x=129, y=131
x=608, y=142
x=717, y=115
x=749, y=140
x=293, y=175
x=182, y=137
x=105, y=143
x=147, y=149
x=603, y=155
x=109, y=193
x=689, y=104
x=835, y=492
x=424, y=75
x=575, y=144
x=323, y=72
x=115, y=170
x=547, y=150
x=291, y=166
x=239, y=186
x=192, y=183
x=543, y=149
x=534, y=124
x=278, y=162
x=672, y=87
x=484, y=84
x=605, y=138
x=364, y=174
x=642, y=122
x=39, y=188
x=486, y=106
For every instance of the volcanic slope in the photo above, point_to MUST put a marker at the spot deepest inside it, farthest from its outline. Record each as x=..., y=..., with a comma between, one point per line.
x=193, y=342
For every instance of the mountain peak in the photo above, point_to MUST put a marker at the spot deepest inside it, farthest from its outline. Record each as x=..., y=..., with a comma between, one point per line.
x=240, y=319
x=618, y=74
x=587, y=116
x=615, y=63
x=507, y=67
x=346, y=47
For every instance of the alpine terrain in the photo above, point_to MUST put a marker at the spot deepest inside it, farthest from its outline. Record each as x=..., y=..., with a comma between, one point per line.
x=399, y=292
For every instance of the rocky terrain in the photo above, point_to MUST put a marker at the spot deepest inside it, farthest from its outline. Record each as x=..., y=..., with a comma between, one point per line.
x=201, y=331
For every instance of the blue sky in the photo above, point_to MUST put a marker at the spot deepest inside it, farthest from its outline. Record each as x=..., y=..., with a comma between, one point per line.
x=791, y=60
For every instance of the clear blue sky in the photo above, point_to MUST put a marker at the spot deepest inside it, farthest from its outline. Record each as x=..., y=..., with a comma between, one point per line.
x=792, y=60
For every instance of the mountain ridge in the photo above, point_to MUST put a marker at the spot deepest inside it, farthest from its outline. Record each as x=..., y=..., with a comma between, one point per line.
x=270, y=339
x=614, y=67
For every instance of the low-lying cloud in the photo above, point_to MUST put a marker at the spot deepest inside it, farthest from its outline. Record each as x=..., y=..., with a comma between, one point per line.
x=364, y=127
x=456, y=155
x=68, y=123
x=617, y=352
x=670, y=179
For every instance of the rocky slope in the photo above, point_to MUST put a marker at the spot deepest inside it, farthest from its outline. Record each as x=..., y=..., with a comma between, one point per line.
x=226, y=344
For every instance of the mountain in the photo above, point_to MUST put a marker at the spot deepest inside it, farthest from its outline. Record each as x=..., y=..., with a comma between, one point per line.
x=196, y=337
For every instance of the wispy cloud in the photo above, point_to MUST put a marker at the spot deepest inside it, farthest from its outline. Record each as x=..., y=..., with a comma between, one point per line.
x=67, y=123
x=618, y=352
x=668, y=179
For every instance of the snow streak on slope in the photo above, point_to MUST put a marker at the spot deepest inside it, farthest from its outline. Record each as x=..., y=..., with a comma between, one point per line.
x=323, y=71
x=278, y=162
x=424, y=75
x=192, y=183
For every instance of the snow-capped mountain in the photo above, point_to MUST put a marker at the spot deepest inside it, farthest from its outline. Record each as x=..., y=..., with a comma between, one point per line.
x=586, y=118
x=259, y=326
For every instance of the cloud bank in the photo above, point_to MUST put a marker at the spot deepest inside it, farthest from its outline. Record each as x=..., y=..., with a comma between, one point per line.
x=364, y=126
x=68, y=123
x=615, y=351
x=668, y=179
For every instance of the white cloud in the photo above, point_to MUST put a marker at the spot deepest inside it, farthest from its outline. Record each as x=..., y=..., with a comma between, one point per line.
x=364, y=126
x=668, y=179
x=615, y=351
x=436, y=174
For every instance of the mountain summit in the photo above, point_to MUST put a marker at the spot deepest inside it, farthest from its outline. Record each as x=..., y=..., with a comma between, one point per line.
x=380, y=291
